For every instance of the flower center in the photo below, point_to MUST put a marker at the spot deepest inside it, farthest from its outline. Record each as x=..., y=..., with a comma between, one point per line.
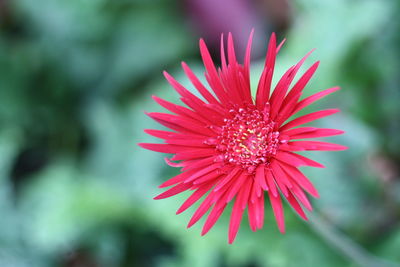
x=248, y=138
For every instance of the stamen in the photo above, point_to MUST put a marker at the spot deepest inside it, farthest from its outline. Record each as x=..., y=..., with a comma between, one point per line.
x=249, y=138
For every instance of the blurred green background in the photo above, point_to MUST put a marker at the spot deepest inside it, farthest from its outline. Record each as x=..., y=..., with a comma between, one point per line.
x=76, y=76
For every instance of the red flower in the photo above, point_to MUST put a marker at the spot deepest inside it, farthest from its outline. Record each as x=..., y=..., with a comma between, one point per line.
x=234, y=148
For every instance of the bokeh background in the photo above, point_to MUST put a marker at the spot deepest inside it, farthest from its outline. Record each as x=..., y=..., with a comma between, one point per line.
x=76, y=77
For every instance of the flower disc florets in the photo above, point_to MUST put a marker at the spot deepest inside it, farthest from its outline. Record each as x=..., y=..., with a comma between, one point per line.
x=248, y=138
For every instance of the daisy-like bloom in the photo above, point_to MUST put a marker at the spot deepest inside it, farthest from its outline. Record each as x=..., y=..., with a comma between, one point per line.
x=236, y=148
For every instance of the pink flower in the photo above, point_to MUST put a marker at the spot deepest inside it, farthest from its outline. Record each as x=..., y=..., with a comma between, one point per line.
x=232, y=147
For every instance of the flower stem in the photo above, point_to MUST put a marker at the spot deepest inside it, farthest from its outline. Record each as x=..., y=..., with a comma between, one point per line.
x=344, y=245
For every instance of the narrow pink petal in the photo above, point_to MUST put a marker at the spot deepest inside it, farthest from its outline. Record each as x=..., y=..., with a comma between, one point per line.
x=296, y=206
x=223, y=58
x=280, y=45
x=213, y=218
x=179, y=110
x=290, y=148
x=289, y=158
x=316, y=145
x=199, y=86
x=186, y=142
x=174, y=164
x=256, y=213
x=283, y=85
x=173, y=191
x=207, y=111
x=271, y=52
x=296, y=160
x=212, y=73
x=172, y=135
x=260, y=88
x=246, y=88
x=190, y=124
x=219, y=109
x=280, y=90
x=276, y=204
x=199, y=163
x=237, y=185
x=271, y=183
x=237, y=212
x=294, y=95
x=311, y=99
x=286, y=111
x=165, y=120
x=301, y=83
x=279, y=180
x=299, y=130
x=311, y=132
x=160, y=134
x=260, y=177
x=260, y=211
x=221, y=195
x=236, y=217
x=174, y=149
x=301, y=196
x=177, y=179
x=277, y=169
x=163, y=148
x=231, y=81
x=262, y=95
x=308, y=118
x=194, y=154
x=307, y=161
x=195, y=197
x=175, y=127
x=230, y=74
x=201, y=210
x=227, y=178
x=255, y=192
x=213, y=176
x=231, y=50
x=247, y=186
x=181, y=89
x=202, y=172
x=252, y=216
x=301, y=179
x=247, y=58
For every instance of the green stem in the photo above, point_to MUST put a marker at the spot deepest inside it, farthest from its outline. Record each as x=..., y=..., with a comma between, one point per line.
x=345, y=245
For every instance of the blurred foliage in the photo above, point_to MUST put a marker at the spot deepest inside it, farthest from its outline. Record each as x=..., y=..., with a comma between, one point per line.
x=75, y=190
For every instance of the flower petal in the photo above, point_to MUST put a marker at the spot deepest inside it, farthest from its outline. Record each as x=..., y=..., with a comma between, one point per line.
x=264, y=87
x=260, y=177
x=301, y=83
x=296, y=206
x=194, y=197
x=308, y=118
x=277, y=208
x=173, y=191
x=237, y=211
x=199, y=86
x=311, y=99
x=316, y=145
x=282, y=87
x=300, y=179
x=213, y=218
x=201, y=210
x=213, y=78
x=311, y=132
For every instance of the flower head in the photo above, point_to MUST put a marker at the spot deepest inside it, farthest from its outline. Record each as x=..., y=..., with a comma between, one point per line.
x=232, y=147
